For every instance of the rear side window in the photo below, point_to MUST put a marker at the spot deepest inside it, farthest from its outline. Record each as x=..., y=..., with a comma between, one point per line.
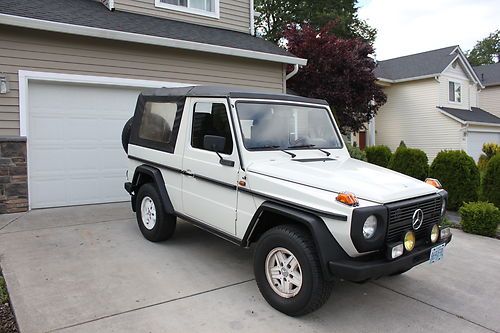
x=158, y=121
x=211, y=119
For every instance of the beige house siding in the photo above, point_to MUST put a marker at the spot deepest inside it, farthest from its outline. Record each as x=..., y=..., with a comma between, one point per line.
x=23, y=49
x=410, y=114
x=489, y=100
x=234, y=14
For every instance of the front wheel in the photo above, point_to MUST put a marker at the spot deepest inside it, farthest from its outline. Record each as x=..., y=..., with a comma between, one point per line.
x=288, y=271
x=155, y=224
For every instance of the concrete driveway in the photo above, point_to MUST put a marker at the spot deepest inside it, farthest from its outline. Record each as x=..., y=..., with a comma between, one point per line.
x=88, y=269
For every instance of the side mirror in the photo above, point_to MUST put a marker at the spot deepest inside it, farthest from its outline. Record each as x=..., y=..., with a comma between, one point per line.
x=217, y=143
x=214, y=143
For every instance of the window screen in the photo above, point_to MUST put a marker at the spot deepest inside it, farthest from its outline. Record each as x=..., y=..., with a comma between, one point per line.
x=454, y=92
x=211, y=119
x=157, y=121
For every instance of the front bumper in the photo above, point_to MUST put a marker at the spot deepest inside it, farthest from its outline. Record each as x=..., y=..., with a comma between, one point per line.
x=358, y=271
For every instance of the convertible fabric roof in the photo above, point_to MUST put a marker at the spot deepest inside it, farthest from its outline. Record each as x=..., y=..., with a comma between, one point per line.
x=222, y=91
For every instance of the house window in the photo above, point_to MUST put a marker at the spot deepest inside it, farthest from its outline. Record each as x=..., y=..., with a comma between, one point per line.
x=200, y=7
x=455, y=92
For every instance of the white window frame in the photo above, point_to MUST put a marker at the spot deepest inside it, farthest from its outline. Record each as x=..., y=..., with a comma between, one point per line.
x=194, y=11
x=454, y=96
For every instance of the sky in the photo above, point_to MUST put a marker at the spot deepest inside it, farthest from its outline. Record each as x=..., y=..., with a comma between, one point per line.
x=406, y=26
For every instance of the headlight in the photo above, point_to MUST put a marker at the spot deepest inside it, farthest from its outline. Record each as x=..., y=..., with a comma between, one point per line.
x=370, y=227
x=409, y=240
x=434, y=233
x=443, y=207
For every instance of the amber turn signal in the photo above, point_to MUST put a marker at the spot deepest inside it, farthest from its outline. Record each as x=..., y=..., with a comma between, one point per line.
x=434, y=182
x=347, y=198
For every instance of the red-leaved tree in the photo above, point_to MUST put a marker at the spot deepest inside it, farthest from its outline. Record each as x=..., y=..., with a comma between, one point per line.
x=339, y=71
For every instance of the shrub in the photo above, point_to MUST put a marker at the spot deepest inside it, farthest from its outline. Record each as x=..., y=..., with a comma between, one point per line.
x=379, y=155
x=411, y=162
x=490, y=189
x=458, y=174
x=489, y=150
x=481, y=218
x=355, y=152
x=482, y=162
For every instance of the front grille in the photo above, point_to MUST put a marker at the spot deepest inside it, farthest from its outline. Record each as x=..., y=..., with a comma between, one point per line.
x=401, y=214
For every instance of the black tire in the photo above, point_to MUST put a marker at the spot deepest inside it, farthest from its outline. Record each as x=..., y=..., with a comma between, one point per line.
x=315, y=290
x=164, y=226
x=127, y=129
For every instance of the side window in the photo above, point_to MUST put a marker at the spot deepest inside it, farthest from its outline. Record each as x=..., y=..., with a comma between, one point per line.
x=211, y=119
x=157, y=121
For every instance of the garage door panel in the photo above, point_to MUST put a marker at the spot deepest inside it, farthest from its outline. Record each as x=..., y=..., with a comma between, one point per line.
x=74, y=143
x=475, y=141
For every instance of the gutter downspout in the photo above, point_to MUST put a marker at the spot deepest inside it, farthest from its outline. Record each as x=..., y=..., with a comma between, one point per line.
x=292, y=73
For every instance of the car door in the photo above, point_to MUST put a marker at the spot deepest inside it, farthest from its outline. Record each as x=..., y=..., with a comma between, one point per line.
x=209, y=180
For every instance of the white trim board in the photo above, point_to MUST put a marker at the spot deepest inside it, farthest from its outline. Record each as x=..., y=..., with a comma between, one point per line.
x=27, y=76
x=73, y=29
x=190, y=10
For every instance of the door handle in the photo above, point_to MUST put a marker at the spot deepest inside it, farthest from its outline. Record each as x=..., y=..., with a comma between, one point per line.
x=188, y=173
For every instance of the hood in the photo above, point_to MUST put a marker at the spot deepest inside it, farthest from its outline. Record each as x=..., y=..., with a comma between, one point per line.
x=367, y=181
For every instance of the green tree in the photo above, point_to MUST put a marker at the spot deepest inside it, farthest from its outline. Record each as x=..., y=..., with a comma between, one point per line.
x=275, y=15
x=486, y=51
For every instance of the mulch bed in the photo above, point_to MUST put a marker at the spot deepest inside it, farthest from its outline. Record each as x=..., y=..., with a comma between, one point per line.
x=7, y=320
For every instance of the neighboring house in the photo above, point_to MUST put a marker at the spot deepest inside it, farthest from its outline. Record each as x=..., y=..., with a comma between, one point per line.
x=71, y=71
x=432, y=104
x=489, y=97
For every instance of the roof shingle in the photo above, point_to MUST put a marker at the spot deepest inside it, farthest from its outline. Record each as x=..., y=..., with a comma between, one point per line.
x=477, y=115
x=488, y=74
x=93, y=14
x=415, y=65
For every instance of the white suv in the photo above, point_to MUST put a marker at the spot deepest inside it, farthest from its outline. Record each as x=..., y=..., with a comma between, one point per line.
x=273, y=170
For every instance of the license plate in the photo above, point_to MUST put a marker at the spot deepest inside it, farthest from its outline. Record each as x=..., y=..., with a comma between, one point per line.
x=437, y=253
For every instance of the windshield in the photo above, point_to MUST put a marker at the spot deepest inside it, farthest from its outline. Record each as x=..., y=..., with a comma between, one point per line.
x=285, y=126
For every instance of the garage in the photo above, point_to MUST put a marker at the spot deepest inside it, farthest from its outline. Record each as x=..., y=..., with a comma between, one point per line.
x=475, y=141
x=74, y=142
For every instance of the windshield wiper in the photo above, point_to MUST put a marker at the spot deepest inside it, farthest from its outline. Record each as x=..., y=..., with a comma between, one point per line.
x=264, y=147
x=289, y=153
x=327, y=153
x=302, y=146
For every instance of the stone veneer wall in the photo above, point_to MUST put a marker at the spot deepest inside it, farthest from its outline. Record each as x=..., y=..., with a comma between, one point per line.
x=13, y=175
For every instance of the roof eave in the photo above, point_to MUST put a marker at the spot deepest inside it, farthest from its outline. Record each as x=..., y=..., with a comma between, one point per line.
x=421, y=77
x=80, y=30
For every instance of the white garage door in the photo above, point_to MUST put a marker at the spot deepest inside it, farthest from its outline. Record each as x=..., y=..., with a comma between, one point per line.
x=74, y=143
x=475, y=141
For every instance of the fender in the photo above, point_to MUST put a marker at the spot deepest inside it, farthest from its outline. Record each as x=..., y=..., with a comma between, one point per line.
x=155, y=175
x=327, y=246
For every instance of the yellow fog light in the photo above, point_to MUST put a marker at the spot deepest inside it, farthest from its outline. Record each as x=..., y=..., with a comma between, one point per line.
x=434, y=233
x=409, y=240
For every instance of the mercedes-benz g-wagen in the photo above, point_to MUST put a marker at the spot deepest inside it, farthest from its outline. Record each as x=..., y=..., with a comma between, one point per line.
x=273, y=170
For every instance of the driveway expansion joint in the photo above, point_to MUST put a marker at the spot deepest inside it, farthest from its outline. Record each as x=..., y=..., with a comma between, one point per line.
x=60, y=226
x=150, y=305
x=435, y=307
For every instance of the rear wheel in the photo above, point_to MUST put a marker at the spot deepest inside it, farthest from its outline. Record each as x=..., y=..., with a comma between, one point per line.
x=288, y=271
x=155, y=224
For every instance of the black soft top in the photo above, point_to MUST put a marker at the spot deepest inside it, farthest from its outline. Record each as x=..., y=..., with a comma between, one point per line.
x=222, y=91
